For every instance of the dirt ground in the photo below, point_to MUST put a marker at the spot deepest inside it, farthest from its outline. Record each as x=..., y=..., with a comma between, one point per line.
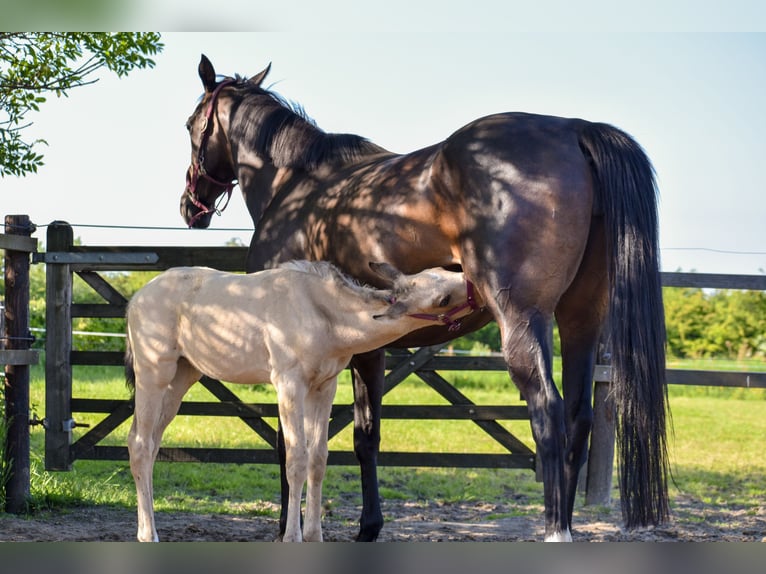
x=405, y=522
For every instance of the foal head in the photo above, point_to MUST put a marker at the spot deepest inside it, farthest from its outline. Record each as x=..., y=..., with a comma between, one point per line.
x=434, y=295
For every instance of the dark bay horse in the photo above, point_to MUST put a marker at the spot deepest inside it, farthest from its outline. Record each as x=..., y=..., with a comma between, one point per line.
x=548, y=217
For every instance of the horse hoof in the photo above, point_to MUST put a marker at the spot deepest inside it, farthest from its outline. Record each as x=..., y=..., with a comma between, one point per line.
x=369, y=528
x=369, y=535
x=559, y=537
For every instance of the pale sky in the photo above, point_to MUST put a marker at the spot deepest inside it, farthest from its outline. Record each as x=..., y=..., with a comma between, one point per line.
x=118, y=150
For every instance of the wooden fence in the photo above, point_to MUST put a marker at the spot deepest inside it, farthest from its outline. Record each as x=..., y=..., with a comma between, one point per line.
x=63, y=260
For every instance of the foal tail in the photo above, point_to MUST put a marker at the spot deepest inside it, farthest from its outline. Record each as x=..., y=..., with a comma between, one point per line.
x=626, y=193
x=130, y=373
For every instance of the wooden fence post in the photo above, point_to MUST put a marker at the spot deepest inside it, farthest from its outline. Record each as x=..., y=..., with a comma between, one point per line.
x=600, y=464
x=58, y=349
x=18, y=338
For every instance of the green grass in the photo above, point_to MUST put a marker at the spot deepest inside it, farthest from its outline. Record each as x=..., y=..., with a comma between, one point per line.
x=716, y=451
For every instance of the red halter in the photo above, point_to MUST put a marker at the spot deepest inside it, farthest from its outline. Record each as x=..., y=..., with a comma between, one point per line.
x=446, y=318
x=198, y=168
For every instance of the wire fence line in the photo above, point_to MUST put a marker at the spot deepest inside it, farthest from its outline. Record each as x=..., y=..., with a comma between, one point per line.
x=83, y=333
x=250, y=229
x=244, y=229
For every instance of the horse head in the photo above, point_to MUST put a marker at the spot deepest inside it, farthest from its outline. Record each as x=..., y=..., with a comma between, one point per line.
x=211, y=176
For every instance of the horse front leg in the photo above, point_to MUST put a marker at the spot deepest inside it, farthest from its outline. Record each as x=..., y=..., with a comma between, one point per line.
x=367, y=373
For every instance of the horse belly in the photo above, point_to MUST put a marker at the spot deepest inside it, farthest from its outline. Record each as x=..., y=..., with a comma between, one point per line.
x=389, y=214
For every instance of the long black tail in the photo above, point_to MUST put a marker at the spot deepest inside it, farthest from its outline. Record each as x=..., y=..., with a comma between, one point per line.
x=627, y=194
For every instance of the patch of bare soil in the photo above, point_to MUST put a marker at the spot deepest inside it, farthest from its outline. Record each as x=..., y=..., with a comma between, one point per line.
x=405, y=522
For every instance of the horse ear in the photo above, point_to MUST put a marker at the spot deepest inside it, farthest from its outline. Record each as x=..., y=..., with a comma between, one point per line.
x=206, y=74
x=386, y=271
x=259, y=77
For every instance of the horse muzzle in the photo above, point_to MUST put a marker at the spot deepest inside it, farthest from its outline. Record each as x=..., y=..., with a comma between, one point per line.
x=196, y=217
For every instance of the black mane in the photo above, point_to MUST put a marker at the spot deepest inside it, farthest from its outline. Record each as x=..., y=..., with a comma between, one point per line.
x=282, y=132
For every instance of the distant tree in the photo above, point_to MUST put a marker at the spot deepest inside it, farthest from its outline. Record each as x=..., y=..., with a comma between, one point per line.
x=687, y=316
x=739, y=331
x=719, y=323
x=33, y=64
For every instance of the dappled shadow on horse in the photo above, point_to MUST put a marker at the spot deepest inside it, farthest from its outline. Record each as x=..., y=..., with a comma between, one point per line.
x=547, y=216
x=296, y=326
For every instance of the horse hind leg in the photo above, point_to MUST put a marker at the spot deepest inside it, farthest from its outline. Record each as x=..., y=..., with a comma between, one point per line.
x=526, y=348
x=156, y=404
x=578, y=349
x=580, y=314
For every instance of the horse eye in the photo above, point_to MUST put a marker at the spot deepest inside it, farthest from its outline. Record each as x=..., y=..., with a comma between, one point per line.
x=445, y=301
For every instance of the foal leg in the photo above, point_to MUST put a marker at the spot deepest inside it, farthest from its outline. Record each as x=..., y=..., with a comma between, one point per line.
x=284, y=491
x=156, y=404
x=148, y=407
x=291, y=393
x=316, y=422
x=368, y=371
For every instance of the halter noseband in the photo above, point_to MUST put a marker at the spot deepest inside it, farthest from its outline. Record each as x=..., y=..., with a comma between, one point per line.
x=198, y=168
x=446, y=318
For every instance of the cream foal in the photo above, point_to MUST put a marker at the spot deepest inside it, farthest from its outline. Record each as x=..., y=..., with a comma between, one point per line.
x=296, y=326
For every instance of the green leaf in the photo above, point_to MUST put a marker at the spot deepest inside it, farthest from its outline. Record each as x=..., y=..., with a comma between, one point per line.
x=35, y=63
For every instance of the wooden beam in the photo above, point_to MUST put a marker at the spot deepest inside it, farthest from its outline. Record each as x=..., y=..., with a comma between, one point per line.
x=335, y=458
x=58, y=346
x=18, y=243
x=19, y=357
x=714, y=281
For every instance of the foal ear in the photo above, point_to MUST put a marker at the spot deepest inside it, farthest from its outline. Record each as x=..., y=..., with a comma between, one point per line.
x=260, y=76
x=386, y=271
x=393, y=312
x=206, y=74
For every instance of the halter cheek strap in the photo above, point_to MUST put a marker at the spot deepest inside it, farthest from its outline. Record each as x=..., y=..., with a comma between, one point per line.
x=446, y=317
x=198, y=167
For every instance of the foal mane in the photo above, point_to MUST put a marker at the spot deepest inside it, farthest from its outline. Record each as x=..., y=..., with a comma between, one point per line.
x=326, y=270
x=282, y=131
